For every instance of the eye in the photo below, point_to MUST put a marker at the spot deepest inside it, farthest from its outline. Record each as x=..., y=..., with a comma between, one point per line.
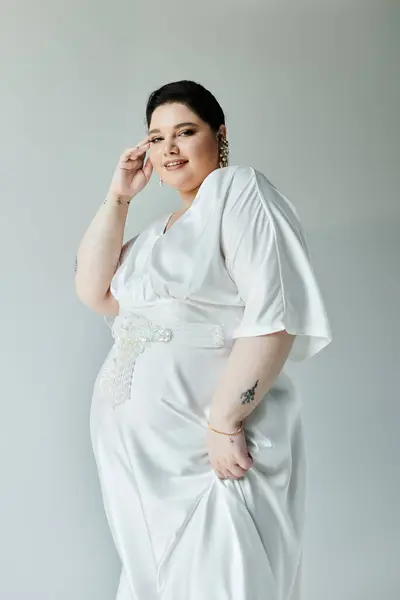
x=155, y=140
x=186, y=132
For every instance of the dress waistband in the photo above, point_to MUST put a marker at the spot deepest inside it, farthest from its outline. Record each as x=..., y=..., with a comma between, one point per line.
x=135, y=328
x=133, y=334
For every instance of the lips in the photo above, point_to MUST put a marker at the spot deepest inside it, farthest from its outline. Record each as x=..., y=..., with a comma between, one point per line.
x=174, y=164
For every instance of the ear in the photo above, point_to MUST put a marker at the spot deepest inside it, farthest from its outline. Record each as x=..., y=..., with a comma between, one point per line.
x=222, y=131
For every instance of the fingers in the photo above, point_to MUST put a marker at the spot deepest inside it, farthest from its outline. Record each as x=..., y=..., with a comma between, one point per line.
x=245, y=462
x=235, y=467
x=131, y=165
x=143, y=142
x=237, y=470
x=228, y=474
x=230, y=471
x=148, y=169
x=229, y=461
x=136, y=152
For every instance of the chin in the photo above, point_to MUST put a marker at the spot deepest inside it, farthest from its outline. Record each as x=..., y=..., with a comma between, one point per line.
x=183, y=182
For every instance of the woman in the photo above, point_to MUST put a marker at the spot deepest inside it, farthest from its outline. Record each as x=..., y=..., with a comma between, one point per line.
x=196, y=430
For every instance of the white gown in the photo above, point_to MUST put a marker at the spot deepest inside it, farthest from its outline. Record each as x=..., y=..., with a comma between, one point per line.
x=234, y=265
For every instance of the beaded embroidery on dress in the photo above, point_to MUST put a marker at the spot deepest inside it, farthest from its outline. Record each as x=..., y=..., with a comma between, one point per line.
x=132, y=334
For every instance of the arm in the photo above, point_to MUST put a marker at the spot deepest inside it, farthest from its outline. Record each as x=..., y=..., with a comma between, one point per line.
x=252, y=367
x=267, y=258
x=99, y=253
x=100, y=249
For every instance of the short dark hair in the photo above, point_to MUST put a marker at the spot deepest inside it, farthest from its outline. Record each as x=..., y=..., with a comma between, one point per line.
x=193, y=95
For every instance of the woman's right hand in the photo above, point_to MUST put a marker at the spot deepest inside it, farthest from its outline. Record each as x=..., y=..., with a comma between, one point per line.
x=132, y=173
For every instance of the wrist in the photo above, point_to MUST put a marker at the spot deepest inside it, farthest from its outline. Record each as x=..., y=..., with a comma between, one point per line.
x=225, y=423
x=119, y=199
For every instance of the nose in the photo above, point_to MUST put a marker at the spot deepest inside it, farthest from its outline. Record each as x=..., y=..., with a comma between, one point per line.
x=170, y=147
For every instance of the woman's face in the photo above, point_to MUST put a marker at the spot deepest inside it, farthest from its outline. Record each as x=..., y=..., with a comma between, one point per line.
x=178, y=134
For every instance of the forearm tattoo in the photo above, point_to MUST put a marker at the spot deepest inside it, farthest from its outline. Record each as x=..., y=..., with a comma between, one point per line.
x=249, y=395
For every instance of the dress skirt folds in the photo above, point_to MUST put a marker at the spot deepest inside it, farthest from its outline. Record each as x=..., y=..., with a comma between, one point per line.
x=234, y=265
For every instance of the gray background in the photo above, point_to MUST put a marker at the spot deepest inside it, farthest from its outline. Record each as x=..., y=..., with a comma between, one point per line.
x=311, y=93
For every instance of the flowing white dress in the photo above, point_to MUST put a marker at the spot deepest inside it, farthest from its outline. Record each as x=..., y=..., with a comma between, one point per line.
x=234, y=265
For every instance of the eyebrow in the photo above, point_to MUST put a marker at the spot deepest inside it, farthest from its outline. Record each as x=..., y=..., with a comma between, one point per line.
x=175, y=127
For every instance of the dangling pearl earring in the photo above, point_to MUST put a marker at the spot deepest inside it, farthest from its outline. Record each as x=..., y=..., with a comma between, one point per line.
x=161, y=182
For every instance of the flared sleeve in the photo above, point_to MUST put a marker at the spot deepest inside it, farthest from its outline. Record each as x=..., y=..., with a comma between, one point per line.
x=267, y=257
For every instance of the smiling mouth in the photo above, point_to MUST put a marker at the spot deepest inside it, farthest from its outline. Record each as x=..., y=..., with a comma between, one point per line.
x=175, y=164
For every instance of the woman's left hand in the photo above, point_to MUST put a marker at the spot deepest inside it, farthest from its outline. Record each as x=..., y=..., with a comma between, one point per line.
x=230, y=460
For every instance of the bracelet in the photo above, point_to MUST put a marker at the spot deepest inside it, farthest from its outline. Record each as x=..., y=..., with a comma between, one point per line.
x=230, y=435
x=119, y=201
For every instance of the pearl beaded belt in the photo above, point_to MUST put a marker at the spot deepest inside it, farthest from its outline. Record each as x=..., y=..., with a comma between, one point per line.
x=134, y=333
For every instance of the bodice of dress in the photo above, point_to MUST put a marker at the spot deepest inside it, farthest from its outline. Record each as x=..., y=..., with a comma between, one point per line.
x=182, y=273
x=237, y=257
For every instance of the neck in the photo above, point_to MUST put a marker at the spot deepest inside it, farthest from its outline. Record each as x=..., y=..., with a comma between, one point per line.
x=188, y=197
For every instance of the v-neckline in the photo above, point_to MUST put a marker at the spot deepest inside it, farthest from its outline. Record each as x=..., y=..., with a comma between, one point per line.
x=164, y=230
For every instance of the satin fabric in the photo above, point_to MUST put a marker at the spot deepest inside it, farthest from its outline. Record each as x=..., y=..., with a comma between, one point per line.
x=237, y=259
